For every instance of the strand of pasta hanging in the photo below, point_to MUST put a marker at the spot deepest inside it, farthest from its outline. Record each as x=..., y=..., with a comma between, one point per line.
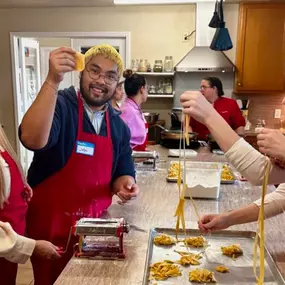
x=179, y=213
x=260, y=230
x=187, y=124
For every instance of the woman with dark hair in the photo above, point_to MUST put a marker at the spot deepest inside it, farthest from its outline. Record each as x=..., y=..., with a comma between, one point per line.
x=118, y=96
x=212, y=90
x=136, y=91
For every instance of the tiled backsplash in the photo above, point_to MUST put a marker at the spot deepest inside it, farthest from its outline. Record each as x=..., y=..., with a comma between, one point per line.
x=263, y=107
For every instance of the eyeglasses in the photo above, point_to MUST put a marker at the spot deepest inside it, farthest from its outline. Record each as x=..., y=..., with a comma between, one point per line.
x=96, y=73
x=205, y=87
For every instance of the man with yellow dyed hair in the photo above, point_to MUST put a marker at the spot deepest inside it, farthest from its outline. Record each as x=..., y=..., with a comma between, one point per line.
x=82, y=154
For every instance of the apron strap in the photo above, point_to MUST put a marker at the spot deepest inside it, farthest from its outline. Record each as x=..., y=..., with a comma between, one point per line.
x=108, y=124
x=80, y=114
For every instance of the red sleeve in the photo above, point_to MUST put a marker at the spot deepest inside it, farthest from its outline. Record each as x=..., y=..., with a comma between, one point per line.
x=237, y=117
x=193, y=124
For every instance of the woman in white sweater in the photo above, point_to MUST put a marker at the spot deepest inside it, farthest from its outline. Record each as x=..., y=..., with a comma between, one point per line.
x=14, y=195
x=248, y=161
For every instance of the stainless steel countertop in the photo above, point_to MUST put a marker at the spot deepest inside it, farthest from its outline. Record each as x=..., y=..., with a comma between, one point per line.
x=155, y=207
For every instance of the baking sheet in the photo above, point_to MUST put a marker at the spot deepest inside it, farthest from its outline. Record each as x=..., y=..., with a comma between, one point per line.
x=174, y=179
x=229, y=181
x=241, y=269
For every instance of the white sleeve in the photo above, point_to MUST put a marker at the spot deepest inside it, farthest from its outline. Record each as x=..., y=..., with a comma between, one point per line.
x=250, y=163
x=6, y=174
x=274, y=202
x=13, y=247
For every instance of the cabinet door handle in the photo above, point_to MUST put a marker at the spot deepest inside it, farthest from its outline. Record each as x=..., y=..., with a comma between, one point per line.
x=239, y=84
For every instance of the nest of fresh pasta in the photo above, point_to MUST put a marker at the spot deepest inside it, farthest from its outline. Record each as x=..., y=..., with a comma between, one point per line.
x=163, y=270
x=233, y=251
x=199, y=241
x=190, y=259
x=165, y=240
x=222, y=269
x=174, y=170
x=201, y=275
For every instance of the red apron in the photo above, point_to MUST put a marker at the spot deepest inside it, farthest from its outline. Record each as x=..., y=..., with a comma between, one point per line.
x=142, y=147
x=80, y=189
x=13, y=212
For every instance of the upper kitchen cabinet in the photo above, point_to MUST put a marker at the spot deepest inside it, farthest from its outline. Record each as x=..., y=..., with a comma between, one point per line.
x=261, y=49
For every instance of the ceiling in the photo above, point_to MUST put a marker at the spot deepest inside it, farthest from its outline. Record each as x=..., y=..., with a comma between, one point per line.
x=54, y=3
x=74, y=3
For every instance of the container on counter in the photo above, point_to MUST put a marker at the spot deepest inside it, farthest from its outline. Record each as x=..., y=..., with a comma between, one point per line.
x=203, y=179
x=158, y=66
x=168, y=64
x=259, y=125
x=151, y=118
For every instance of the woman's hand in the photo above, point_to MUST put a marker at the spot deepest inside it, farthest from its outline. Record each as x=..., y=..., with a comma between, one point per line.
x=210, y=223
x=272, y=143
x=197, y=106
x=46, y=250
x=28, y=193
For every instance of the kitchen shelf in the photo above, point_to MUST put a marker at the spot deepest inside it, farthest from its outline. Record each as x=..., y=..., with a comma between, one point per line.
x=156, y=73
x=160, y=95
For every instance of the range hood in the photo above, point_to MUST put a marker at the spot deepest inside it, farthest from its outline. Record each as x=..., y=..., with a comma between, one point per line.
x=201, y=58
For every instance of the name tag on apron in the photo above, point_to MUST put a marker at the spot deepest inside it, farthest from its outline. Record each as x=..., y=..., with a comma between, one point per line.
x=85, y=148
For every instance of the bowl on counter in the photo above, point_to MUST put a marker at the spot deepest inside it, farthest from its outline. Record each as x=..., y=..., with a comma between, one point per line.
x=203, y=179
x=151, y=118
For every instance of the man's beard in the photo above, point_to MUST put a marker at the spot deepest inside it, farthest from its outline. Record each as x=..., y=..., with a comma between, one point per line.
x=95, y=102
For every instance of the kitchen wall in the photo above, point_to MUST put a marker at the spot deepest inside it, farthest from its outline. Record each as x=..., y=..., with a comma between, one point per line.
x=231, y=12
x=54, y=42
x=191, y=81
x=148, y=40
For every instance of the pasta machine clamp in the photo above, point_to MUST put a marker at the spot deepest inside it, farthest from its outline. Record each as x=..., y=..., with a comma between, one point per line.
x=148, y=157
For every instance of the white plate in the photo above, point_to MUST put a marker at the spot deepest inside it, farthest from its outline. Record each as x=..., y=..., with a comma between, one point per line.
x=218, y=152
x=188, y=153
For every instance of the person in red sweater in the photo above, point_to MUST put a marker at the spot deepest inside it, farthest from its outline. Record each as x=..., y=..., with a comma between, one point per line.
x=212, y=89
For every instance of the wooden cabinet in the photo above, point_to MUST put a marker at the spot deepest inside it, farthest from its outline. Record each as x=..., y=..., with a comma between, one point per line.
x=260, y=58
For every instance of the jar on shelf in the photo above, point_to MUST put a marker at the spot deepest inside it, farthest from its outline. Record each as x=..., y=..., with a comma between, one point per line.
x=148, y=66
x=158, y=66
x=160, y=88
x=168, y=64
x=152, y=89
x=135, y=65
x=168, y=88
x=142, y=66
